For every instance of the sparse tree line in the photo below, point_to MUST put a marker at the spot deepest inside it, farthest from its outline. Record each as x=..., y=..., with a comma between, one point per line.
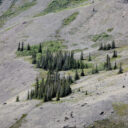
x=107, y=46
x=54, y=86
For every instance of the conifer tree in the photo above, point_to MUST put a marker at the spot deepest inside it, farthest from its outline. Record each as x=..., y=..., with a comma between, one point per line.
x=96, y=70
x=101, y=47
x=22, y=47
x=108, y=47
x=108, y=63
x=28, y=97
x=18, y=49
x=89, y=57
x=82, y=73
x=120, y=69
x=114, y=54
x=105, y=47
x=81, y=56
x=17, y=99
x=40, y=48
x=57, y=96
x=115, y=66
x=34, y=58
x=113, y=44
x=28, y=47
x=77, y=76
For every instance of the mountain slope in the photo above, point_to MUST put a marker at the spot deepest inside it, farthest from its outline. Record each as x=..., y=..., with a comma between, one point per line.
x=27, y=21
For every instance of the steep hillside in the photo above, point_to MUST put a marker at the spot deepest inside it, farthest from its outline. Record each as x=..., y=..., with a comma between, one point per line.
x=98, y=99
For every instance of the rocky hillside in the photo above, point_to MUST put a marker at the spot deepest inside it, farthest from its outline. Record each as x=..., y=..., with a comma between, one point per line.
x=98, y=100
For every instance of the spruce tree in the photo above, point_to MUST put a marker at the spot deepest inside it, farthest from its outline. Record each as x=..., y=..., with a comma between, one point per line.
x=108, y=63
x=96, y=70
x=82, y=73
x=113, y=44
x=114, y=54
x=18, y=49
x=17, y=99
x=22, y=47
x=28, y=97
x=81, y=56
x=115, y=66
x=77, y=75
x=108, y=47
x=40, y=48
x=89, y=57
x=28, y=47
x=120, y=69
x=101, y=47
x=57, y=96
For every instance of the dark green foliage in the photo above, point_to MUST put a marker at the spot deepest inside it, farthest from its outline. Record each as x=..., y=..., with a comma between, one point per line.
x=114, y=54
x=17, y=99
x=82, y=73
x=108, y=63
x=81, y=56
x=40, y=48
x=89, y=57
x=18, y=49
x=76, y=76
x=22, y=47
x=28, y=47
x=28, y=97
x=34, y=58
x=113, y=44
x=54, y=86
x=115, y=66
x=120, y=69
x=59, y=61
x=95, y=70
x=101, y=47
x=107, y=46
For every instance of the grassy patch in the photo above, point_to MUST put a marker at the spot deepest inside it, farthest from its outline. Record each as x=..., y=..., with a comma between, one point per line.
x=52, y=46
x=71, y=18
x=58, y=5
x=13, y=11
x=100, y=37
x=121, y=109
x=110, y=29
x=19, y=122
x=106, y=123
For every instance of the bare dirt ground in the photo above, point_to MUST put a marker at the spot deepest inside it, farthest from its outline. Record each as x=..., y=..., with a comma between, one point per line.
x=16, y=75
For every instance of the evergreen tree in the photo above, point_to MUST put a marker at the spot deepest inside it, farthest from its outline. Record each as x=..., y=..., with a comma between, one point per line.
x=17, y=99
x=108, y=47
x=81, y=56
x=96, y=70
x=114, y=54
x=18, y=49
x=120, y=69
x=108, y=63
x=57, y=96
x=34, y=58
x=113, y=44
x=28, y=97
x=82, y=73
x=105, y=47
x=101, y=47
x=89, y=57
x=115, y=66
x=77, y=76
x=28, y=47
x=40, y=48
x=22, y=47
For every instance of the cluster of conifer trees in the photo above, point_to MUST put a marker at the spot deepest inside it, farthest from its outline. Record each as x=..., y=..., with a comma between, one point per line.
x=58, y=61
x=107, y=46
x=52, y=87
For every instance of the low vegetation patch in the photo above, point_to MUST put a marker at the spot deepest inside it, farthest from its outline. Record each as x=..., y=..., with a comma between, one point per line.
x=100, y=37
x=71, y=18
x=13, y=11
x=110, y=29
x=19, y=122
x=58, y=5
